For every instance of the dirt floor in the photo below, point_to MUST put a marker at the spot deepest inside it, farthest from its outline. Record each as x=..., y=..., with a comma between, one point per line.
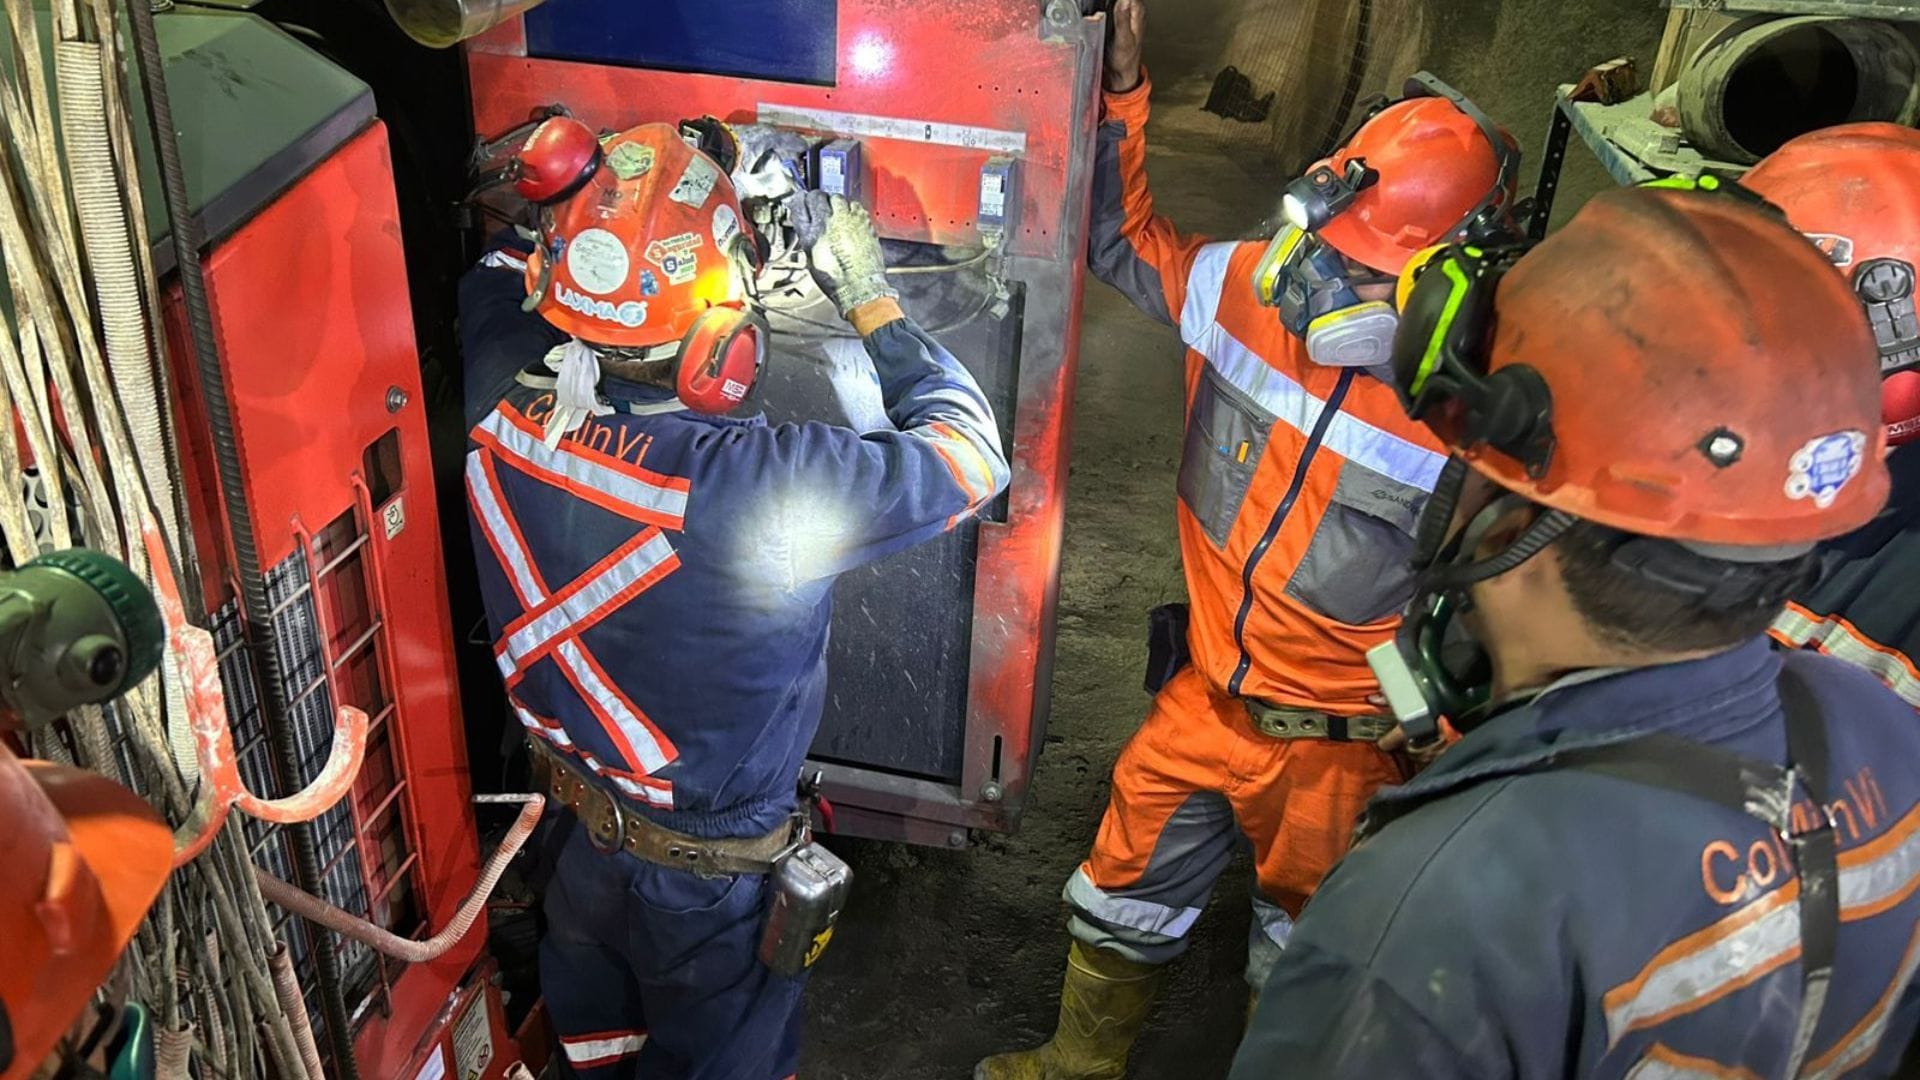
x=945, y=957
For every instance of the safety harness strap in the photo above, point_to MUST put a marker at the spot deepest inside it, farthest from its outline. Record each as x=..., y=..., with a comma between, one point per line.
x=1764, y=791
x=1758, y=789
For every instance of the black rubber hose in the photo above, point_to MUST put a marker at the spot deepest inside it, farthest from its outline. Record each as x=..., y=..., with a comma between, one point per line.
x=261, y=640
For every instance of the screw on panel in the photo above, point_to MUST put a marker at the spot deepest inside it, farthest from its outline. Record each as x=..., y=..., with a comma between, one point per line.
x=990, y=792
x=957, y=838
x=396, y=399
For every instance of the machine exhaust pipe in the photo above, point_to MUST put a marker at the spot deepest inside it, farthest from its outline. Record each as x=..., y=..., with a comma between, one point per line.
x=440, y=24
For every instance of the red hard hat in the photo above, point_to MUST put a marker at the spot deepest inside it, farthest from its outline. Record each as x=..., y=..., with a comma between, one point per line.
x=644, y=249
x=1436, y=166
x=1855, y=191
x=84, y=860
x=556, y=160
x=1689, y=342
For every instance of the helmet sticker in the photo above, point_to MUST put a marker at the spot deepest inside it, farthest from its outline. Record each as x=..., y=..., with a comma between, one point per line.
x=1824, y=465
x=630, y=161
x=675, y=258
x=1838, y=249
x=649, y=284
x=629, y=314
x=696, y=183
x=598, y=261
x=726, y=226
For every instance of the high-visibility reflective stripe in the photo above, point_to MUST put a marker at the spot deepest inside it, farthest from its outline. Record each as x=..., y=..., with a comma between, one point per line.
x=1205, y=281
x=964, y=459
x=1347, y=435
x=1706, y=966
x=1857, y=1046
x=648, y=789
x=592, y=1051
x=1142, y=915
x=553, y=733
x=1756, y=940
x=1883, y=872
x=503, y=259
x=598, y=478
x=644, y=744
x=642, y=563
x=1841, y=640
x=483, y=491
x=1274, y=920
x=1663, y=1063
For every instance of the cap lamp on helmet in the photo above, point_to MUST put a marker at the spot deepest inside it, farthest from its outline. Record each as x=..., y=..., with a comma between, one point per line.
x=1428, y=169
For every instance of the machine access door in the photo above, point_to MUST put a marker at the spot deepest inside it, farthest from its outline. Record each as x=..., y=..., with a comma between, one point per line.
x=968, y=131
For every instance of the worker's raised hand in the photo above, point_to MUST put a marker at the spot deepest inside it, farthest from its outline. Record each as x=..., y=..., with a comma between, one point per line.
x=1123, y=45
x=843, y=251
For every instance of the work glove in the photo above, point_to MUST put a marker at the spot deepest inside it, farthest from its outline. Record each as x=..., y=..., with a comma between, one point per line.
x=843, y=250
x=771, y=162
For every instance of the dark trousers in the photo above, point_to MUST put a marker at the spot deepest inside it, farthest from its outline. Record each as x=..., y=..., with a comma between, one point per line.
x=651, y=972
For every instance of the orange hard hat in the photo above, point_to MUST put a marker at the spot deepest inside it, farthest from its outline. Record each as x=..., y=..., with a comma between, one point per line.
x=1855, y=191
x=1440, y=163
x=1672, y=357
x=84, y=860
x=644, y=249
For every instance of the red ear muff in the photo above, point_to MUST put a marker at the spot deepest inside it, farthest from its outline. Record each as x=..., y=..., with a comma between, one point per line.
x=720, y=360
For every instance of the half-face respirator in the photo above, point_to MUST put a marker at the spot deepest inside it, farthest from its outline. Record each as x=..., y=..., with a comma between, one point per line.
x=1314, y=288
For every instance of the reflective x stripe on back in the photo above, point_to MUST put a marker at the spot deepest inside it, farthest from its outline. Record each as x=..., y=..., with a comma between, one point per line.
x=1293, y=404
x=1839, y=639
x=602, y=479
x=552, y=622
x=601, y=1048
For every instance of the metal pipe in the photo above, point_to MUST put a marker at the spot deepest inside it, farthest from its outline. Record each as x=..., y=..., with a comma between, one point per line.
x=287, y=985
x=388, y=943
x=227, y=452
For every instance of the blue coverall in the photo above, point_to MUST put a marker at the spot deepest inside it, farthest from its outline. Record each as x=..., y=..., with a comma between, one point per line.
x=658, y=590
x=1569, y=924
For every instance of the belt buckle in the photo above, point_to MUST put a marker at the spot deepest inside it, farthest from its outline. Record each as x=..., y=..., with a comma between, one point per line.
x=610, y=845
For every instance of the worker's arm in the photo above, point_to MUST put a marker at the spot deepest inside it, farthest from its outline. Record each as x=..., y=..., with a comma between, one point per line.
x=839, y=499
x=1323, y=1015
x=1130, y=246
x=497, y=338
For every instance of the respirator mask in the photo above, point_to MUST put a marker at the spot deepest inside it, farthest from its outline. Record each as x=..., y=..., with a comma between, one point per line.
x=1314, y=289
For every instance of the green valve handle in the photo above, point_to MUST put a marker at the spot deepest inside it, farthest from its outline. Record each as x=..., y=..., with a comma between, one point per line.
x=76, y=628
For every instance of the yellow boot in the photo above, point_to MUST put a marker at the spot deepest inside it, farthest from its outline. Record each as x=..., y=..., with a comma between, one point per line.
x=1102, y=1007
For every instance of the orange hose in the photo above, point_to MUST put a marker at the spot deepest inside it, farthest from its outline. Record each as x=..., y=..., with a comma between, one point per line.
x=384, y=941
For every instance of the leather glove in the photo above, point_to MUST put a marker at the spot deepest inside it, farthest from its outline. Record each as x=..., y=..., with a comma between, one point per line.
x=843, y=250
x=771, y=162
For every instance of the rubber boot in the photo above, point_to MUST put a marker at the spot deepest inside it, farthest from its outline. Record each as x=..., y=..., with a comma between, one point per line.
x=1102, y=1008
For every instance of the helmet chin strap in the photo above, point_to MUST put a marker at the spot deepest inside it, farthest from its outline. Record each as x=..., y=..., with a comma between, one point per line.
x=1413, y=669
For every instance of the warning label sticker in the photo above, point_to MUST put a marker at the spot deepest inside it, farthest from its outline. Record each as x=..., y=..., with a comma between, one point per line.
x=473, y=1041
x=674, y=256
x=696, y=183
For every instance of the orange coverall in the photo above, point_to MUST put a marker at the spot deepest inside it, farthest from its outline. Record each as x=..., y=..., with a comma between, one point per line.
x=1299, y=488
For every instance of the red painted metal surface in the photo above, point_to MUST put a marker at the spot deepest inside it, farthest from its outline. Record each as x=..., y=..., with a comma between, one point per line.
x=982, y=65
x=995, y=67
x=448, y=1046
x=312, y=312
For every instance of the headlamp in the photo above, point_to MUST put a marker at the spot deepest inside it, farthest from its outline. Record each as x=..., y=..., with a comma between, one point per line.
x=1320, y=196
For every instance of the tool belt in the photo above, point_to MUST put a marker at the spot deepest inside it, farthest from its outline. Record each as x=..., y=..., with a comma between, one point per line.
x=615, y=824
x=1283, y=722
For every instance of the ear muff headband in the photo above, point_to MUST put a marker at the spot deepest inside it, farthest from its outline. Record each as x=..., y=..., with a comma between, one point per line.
x=1440, y=357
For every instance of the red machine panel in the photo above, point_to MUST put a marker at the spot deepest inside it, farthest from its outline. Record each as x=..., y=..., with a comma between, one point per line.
x=312, y=314
x=932, y=92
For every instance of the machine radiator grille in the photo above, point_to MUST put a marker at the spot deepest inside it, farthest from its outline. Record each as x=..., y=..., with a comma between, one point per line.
x=333, y=649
